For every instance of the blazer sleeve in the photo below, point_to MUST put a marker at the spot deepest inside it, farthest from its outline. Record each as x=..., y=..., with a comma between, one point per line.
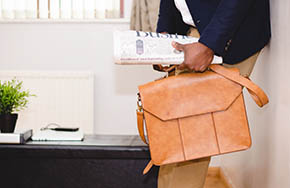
x=224, y=23
x=165, y=20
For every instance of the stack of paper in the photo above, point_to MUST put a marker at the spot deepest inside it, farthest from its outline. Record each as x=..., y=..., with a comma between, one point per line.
x=51, y=135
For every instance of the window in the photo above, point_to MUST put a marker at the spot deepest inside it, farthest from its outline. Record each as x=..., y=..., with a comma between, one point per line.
x=61, y=9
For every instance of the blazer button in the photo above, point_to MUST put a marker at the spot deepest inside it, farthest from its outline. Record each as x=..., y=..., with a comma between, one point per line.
x=197, y=21
x=229, y=42
x=226, y=48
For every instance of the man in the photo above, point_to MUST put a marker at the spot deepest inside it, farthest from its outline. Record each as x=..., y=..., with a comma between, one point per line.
x=237, y=30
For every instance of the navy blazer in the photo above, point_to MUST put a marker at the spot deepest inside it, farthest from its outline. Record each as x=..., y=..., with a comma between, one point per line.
x=233, y=29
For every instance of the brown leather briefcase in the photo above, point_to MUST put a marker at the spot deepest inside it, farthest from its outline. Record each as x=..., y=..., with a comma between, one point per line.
x=196, y=115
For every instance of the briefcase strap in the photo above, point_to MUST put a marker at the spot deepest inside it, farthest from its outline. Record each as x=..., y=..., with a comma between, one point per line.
x=256, y=92
x=140, y=123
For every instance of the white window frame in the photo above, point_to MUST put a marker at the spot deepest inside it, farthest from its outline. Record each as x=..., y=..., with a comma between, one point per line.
x=43, y=14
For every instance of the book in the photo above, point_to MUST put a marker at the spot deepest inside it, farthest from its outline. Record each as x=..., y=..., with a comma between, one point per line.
x=148, y=48
x=52, y=135
x=18, y=137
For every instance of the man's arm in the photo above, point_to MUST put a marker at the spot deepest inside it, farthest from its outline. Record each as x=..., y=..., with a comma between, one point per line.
x=170, y=19
x=216, y=36
x=166, y=17
x=225, y=22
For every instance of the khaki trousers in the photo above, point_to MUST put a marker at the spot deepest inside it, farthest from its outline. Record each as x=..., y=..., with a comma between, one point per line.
x=192, y=174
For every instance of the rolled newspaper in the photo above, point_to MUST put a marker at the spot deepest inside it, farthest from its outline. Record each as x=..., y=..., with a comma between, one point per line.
x=148, y=48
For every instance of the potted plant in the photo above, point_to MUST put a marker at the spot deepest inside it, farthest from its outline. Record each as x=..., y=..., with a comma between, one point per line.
x=12, y=99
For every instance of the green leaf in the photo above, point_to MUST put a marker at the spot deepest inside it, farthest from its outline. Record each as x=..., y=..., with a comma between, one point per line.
x=12, y=97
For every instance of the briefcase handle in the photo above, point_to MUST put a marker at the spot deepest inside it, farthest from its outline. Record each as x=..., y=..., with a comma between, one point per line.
x=162, y=68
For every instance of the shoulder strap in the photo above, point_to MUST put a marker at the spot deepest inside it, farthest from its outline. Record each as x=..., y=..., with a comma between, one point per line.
x=256, y=92
x=148, y=167
x=140, y=123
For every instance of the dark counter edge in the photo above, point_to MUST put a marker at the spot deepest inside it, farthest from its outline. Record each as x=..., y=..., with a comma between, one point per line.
x=130, y=148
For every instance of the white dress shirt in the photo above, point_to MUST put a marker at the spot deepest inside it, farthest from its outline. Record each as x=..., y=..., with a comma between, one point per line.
x=183, y=8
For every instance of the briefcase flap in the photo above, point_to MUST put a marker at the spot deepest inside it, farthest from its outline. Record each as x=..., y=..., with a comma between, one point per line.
x=189, y=94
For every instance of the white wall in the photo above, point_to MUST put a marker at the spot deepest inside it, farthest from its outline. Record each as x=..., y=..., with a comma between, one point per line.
x=127, y=8
x=267, y=164
x=79, y=46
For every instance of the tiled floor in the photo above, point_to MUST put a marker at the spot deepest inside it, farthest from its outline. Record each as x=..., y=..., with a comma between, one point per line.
x=214, y=179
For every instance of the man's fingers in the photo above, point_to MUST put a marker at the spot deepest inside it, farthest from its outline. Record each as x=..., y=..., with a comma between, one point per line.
x=202, y=68
x=178, y=46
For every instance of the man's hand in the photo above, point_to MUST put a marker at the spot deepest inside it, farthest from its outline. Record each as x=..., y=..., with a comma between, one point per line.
x=197, y=56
